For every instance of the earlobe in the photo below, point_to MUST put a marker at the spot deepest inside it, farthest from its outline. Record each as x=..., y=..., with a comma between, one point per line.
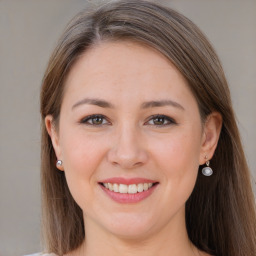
x=59, y=165
x=210, y=138
x=51, y=129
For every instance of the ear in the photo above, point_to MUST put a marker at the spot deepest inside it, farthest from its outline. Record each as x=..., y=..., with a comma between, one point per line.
x=51, y=129
x=211, y=134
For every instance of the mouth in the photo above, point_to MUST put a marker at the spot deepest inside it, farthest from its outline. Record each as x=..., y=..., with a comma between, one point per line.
x=128, y=190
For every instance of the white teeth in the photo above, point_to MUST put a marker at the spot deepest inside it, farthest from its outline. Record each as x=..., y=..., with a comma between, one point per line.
x=130, y=189
x=140, y=187
x=116, y=188
x=110, y=186
x=123, y=188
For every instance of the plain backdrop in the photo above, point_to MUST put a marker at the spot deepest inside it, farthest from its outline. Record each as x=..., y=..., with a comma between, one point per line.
x=29, y=30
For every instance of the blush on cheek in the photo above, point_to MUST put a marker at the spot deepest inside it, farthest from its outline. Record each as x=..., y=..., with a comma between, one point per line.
x=179, y=159
x=81, y=151
x=80, y=164
x=170, y=151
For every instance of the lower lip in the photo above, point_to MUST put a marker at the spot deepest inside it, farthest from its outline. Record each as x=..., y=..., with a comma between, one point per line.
x=129, y=198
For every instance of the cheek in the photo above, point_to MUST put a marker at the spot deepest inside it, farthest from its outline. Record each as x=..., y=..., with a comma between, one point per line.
x=179, y=152
x=178, y=159
x=81, y=157
x=81, y=153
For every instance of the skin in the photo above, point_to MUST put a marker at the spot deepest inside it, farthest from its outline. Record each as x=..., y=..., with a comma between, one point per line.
x=129, y=143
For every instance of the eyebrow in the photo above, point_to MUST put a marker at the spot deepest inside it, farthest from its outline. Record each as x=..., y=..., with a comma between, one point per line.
x=97, y=102
x=145, y=105
x=161, y=103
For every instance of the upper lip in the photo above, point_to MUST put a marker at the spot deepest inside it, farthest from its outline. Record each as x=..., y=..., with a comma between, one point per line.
x=127, y=181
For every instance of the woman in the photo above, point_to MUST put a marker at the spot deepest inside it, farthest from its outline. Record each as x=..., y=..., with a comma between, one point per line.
x=141, y=154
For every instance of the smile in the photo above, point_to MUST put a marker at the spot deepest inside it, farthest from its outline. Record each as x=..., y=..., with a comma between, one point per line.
x=128, y=189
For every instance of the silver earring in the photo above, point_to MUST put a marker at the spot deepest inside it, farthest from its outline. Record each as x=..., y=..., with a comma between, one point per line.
x=207, y=171
x=59, y=163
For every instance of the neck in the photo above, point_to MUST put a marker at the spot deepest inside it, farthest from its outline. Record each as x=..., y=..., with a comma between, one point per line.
x=170, y=240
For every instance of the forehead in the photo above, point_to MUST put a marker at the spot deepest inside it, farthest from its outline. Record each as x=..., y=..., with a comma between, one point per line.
x=125, y=68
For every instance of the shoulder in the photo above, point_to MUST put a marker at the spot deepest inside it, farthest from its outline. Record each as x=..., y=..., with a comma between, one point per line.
x=42, y=254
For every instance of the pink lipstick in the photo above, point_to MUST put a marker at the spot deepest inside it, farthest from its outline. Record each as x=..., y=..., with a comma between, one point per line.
x=131, y=190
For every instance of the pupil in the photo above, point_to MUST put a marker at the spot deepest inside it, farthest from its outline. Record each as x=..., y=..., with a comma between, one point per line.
x=97, y=120
x=159, y=120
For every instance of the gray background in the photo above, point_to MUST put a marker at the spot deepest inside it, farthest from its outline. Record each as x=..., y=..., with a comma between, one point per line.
x=29, y=30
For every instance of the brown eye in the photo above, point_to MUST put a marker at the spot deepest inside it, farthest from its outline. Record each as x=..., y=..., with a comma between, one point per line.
x=161, y=120
x=95, y=120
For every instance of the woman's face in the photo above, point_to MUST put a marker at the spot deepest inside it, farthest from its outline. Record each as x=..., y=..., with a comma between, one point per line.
x=128, y=117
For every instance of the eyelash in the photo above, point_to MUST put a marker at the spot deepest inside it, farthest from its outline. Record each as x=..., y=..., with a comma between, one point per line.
x=91, y=117
x=170, y=120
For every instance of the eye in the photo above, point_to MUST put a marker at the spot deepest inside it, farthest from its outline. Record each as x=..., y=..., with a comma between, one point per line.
x=96, y=120
x=161, y=120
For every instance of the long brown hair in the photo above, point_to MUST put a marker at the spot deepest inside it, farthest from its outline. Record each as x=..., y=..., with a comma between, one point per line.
x=220, y=213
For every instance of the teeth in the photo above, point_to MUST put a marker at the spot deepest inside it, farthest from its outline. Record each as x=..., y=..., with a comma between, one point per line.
x=130, y=189
x=123, y=189
x=140, y=187
x=110, y=186
x=116, y=188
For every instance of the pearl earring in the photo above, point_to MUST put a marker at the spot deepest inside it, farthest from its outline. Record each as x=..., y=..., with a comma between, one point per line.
x=59, y=164
x=207, y=171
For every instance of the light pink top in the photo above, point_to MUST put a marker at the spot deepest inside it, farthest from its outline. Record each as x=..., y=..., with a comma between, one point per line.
x=41, y=254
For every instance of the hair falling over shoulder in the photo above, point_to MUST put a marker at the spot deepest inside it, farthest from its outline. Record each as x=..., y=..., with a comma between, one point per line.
x=220, y=213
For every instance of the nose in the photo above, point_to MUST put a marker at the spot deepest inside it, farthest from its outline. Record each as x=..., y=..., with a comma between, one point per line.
x=128, y=149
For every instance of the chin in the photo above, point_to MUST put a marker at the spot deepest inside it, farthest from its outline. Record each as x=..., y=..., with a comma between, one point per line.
x=130, y=227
